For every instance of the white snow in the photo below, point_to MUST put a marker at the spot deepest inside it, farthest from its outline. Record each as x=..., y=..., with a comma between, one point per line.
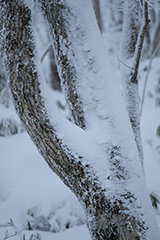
x=31, y=192
x=26, y=183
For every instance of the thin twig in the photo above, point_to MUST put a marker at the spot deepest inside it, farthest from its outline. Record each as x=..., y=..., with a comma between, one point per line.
x=124, y=63
x=146, y=78
x=17, y=231
x=153, y=5
x=15, y=234
x=45, y=52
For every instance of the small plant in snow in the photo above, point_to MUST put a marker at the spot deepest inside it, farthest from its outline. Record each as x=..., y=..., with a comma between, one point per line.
x=16, y=232
x=9, y=126
x=155, y=200
x=55, y=221
x=36, y=221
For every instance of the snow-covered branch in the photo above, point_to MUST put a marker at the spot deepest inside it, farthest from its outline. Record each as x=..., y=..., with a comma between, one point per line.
x=81, y=60
x=131, y=50
x=140, y=40
x=100, y=164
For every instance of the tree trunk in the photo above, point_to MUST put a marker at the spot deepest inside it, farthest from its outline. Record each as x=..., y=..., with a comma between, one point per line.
x=99, y=164
x=130, y=53
x=96, y=5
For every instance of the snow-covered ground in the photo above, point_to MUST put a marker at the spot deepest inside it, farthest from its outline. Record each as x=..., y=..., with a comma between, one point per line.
x=30, y=193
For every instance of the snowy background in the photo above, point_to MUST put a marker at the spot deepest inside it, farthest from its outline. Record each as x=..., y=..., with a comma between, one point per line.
x=33, y=196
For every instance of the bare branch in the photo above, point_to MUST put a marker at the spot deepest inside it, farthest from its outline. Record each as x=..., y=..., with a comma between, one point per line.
x=17, y=232
x=130, y=68
x=14, y=235
x=45, y=52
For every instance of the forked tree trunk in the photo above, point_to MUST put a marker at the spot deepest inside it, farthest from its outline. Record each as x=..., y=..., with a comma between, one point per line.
x=102, y=170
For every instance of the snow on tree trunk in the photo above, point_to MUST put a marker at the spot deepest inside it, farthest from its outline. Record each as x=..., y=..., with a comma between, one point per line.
x=99, y=164
x=130, y=53
x=96, y=5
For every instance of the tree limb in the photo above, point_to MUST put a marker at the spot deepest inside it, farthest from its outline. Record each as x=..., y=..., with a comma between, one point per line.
x=102, y=176
x=63, y=44
x=74, y=42
x=45, y=52
x=138, y=51
x=131, y=49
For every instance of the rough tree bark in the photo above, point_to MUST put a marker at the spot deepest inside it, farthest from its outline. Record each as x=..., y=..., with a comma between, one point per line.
x=97, y=159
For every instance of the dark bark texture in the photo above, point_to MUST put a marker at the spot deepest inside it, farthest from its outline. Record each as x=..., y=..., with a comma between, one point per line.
x=56, y=14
